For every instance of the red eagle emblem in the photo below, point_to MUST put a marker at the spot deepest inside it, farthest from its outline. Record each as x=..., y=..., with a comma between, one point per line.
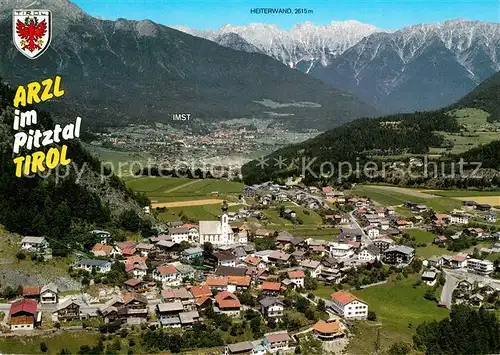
x=31, y=33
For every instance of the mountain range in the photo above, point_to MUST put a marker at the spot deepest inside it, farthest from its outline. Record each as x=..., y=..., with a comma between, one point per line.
x=416, y=68
x=117, y=72
x=388, y=138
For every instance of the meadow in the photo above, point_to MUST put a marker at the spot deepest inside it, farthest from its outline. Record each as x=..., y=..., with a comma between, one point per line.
x=393, y=196
x=400, y=307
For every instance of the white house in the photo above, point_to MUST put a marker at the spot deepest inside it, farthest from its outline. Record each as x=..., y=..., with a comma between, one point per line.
x=459, y=218
x=277, y=342
x=167, y=274
x=297, y=277
x=484, y=267
x=90, y=265
x=369, y=253
x=313, y=266
x=340, y=250
x=348, y=306
x=48, y=294
x=34, y=243
x=179, y=235
x=372, y=231
x=271, y=307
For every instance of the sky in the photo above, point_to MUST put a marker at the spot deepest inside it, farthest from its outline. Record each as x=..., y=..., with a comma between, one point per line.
x=212, y=14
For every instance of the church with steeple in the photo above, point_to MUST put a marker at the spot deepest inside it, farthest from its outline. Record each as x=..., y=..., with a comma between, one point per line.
x=217, y=232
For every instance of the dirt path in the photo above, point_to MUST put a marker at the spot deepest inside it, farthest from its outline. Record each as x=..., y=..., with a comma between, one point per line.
x=181, y=186
x=211, y=201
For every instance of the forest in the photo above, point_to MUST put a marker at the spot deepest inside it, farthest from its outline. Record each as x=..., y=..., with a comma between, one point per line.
x=466, y=331
x=58, y=208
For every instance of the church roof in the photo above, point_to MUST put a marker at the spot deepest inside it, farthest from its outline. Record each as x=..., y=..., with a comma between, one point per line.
x=210, y=227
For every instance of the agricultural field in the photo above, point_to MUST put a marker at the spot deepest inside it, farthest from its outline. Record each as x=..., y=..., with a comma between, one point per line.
x=70, y=341
x=204, y=212
x=193, y=197
x=421, y=236
x=393, y=196
x=124, y=164
x=477, y=131
x=400, y=308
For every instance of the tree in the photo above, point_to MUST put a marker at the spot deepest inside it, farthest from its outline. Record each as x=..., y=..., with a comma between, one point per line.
x=208, y=248
x=310, y=345
x=20, y=256
x=372, y=316
x=43, y=347
x=399, y=348
x=321, y=306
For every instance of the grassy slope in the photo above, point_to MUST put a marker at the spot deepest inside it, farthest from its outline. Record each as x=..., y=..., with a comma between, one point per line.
x=397, y=304
x=388, y=197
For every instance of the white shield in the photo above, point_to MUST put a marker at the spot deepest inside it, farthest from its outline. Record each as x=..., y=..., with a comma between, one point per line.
x=31, y=31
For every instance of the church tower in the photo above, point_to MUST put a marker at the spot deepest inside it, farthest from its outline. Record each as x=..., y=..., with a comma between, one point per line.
x=225, y=228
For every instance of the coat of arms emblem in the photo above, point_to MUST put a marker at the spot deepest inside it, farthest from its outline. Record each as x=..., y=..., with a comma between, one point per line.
x=32, y=31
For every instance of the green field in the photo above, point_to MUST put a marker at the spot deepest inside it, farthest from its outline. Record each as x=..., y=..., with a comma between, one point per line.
x=397, y=304
x=164, y=189
x=432, y=250
x=477, y=131
x=55, y=343
x=123, y=163
x=462, y=193
x=205, y=212
x=421, y=236
x=392, y=196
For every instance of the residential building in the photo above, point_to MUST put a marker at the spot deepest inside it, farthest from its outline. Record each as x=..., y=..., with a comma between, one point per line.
x=24, y=315
x=459, y=218
x=313, y=266
x=238, y=283
x=34, y=243
x=105, y=250
x=383, y=243
x=225, y=258
x=167, y=274
x=69, y=310
x=245, y=348
x=297, y=277
x=48, y=294
x=483, y=267
x=346, y=305
x=458, y=261
x=369, y=253
x=100, y=266
x=271, y=307
x=491, y=218
x=270, y=288
x=429, y=277
x=179, y=234
x=32, y=292
x=399, y=254
x=227, y=303
x=192, y=253
x=277, y=342
x=217, y=283
x=340, y=250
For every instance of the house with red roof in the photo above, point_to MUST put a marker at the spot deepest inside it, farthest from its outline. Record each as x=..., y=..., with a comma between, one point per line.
x=168, y=274
x=269, y=288
x=218, y=283
x=297, y=277
x=347, y=305
x=201, y=294
x=105, y=250
x=227, y=303
x=137, y=269
x=32, y=292
x=458, y=261
x=24, y=315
